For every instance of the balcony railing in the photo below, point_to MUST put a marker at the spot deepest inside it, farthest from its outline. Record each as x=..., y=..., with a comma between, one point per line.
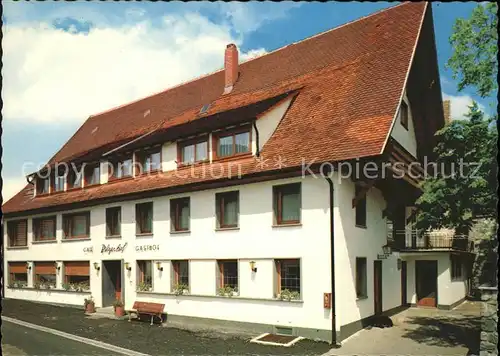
x=429, y=240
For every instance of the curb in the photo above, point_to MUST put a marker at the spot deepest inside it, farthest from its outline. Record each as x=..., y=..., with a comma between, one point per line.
x=83, y=340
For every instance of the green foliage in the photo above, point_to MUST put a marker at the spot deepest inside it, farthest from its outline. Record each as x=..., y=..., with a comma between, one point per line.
x=66, y=286
x=180, y=289
x=144, y=287
x=474, y=41
x=88, y=301
x=288, y=295
x=462, y=186
x=117, y=303
x=227, y=291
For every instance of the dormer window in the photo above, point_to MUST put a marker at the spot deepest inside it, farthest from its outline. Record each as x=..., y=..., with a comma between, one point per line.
x=404, y=114
x=42, y=186
x=234, y=142
x=58, y=182
x=92, y=175
x=148, y=160
x=75, y=176
x=121, y=169
x=192, y=151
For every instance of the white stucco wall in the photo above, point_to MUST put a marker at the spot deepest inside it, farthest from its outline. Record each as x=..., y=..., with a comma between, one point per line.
x=449, y=291
x=352, y=242
x=405, y=138
x=256, y=239
x=268, y=122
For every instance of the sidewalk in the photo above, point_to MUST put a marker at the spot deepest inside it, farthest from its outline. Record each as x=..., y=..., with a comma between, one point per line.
x=141, y=337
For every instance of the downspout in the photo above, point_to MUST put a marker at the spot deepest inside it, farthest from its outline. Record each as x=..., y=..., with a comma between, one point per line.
x=257, y=153
x=334, y=343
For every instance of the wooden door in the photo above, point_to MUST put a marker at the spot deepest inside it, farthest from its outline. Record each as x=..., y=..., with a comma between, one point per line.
x=426, y=283
x=118, y=284
x=377, y=286
x=404, y=291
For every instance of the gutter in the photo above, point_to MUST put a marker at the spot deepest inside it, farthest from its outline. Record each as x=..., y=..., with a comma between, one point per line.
x=257, y=152
x=334, y=342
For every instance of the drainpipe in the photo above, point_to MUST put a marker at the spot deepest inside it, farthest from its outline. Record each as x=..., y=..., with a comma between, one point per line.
x=334, y=343
x=257, y=153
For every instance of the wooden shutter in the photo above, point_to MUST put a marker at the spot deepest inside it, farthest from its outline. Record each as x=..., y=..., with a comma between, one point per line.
x=19, y=233
x=17, y=267
x=77, y=268
x=45, y=268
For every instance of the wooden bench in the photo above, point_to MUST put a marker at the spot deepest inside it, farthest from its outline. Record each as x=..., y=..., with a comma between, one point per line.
x=152, y=309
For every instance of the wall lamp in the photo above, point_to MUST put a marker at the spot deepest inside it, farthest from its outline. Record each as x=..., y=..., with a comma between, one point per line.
x=252, y=266
x=28, y=266
x=127, y=266
x=96, y=266
x=57, y=267
x=158, y=266
x=387, y=249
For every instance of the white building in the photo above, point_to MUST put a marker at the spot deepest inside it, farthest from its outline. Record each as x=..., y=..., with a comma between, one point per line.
x=223, y=222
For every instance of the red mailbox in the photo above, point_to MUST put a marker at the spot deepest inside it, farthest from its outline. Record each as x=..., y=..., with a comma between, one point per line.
x=327, y=300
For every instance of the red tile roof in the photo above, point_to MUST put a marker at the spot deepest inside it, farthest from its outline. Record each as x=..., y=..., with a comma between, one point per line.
x=349, y=81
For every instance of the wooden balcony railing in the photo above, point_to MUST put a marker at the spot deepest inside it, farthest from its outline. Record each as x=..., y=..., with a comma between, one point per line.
x=425, y=240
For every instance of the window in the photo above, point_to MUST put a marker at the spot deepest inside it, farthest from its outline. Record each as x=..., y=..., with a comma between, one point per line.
x=18, y=233
x=18, y=275
x=227, y=209
x=144, y=276
x=144, y=218
x=113, y=221
x=287, y=204
x=42, y=186
x=232, y=143
x=361, y=281
x=44, y=228
x=456, y=268
x=58, y=182
x=76, y=225
x=360, y=206
x=45, y=274
x=181, y=275
x=404, y=114
x=77, y=275
x=121, y=169
x=193, y=151
x=288, y=278
x=179, y=214
x=148, y=160
x=92, y=175
x=228, y=276
x=75, y=178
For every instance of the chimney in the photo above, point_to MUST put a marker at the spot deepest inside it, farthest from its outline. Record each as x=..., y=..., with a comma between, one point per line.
x=230, y=67
x=447, y=111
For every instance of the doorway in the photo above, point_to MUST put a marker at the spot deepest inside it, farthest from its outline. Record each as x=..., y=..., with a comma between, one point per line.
x=404, y=291
x=426, y=283
x=377, y=286
x=111, y=282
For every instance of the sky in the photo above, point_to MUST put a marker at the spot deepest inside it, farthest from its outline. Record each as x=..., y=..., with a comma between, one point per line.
x=65, y=61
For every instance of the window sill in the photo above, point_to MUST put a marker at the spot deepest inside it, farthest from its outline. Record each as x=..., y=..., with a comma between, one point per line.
x=17, y=248
x=361, y=298
x=232, y=158
x=113, y=237
x=41, y=195
x=361, y=226
x=145, y=234
x=287, y=225
x=298, y=301
x=50, y=290
x=53, y=241
x=73, y=189
x=227, y=228
x=76, y=239
x=192, y=165
x=181, y=232
x=121, y=179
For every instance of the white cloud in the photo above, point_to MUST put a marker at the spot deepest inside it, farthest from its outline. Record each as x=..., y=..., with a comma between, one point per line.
x=55, y=76
x=11, y=186
x=460, y=105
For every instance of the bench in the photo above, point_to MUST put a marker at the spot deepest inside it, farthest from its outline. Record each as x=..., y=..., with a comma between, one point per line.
x=152, y=309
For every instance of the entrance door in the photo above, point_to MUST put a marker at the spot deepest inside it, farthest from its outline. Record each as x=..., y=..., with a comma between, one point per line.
x=426, y=283
x=377, y=286
x=111, y=282
x=404, y=291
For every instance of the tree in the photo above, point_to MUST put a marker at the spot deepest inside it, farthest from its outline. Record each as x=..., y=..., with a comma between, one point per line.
x=461, y=187
x=474, y=42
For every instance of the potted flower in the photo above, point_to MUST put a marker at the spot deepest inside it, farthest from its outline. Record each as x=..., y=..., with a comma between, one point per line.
x=89, y=305
x=119, y=308
x=181, y=289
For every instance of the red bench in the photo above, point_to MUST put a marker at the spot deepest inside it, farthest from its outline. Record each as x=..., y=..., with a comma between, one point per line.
x=152, y=309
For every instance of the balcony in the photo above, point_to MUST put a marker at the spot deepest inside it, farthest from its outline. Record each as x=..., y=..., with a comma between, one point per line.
x=418, y=240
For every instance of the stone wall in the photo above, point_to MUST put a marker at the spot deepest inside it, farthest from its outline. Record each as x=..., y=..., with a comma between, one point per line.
x=489, y=320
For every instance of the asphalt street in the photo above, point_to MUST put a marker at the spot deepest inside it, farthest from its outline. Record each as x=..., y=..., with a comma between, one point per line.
x=19, y=340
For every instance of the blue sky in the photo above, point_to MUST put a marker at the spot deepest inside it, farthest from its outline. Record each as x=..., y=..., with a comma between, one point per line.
x=65, y=61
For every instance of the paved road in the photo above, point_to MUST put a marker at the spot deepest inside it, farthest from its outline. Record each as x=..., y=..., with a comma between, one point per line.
x=21, y=341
